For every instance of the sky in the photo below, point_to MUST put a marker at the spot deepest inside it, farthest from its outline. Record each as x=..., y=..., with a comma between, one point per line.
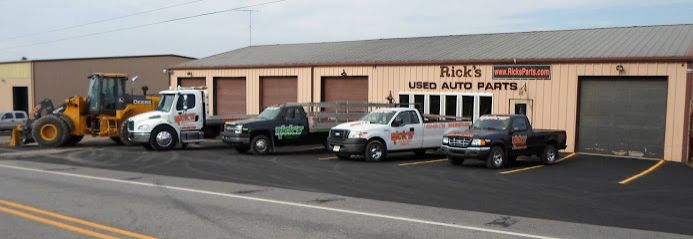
x=27, y=27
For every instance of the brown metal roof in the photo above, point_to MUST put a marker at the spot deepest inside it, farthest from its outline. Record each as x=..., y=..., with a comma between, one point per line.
x=640, y=43
x=97, y=58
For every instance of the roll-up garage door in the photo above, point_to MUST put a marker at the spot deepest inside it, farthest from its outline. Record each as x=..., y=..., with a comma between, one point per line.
x=229, y=96
x=622, y=116
x=278, y=90
x=192, y=82
x=351, y=88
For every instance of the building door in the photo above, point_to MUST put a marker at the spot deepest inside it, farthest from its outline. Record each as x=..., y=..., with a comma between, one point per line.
x=20, y=98
x=278, y=90
x=345, y=88
x=521, y=107
x=229, y=96
x=622, y=116
x=192, y=82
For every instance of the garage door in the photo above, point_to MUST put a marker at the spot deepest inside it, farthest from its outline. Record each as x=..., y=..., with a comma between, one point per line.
x=229, y=96
x=352, y=88
x=622, y=116
x=278, y=90
x=192, y=82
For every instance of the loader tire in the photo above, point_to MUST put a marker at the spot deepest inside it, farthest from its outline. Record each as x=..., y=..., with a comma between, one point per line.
x=50, y=131
x=124, y=135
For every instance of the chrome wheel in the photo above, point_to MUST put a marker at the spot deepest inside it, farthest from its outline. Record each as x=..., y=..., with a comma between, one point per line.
x=164, y=139
x=498, y=158
x=261, y=145
x=375, y=151
x=550, y=156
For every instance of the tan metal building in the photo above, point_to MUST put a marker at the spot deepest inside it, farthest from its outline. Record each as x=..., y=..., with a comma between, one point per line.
x=619, y=91
x=25, y=83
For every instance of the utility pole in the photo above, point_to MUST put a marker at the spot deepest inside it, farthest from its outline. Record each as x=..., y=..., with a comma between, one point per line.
x=250, y=24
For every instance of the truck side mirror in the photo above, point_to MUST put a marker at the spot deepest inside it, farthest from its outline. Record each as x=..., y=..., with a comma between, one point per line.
x=185, y=102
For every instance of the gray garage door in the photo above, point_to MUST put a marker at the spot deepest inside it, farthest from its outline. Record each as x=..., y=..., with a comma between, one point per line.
x=622, y=116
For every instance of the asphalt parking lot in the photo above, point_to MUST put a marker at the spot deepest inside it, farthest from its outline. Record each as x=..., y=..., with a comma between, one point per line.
x=580, y=189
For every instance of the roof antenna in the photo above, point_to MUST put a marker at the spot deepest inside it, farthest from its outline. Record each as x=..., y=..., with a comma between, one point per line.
x=250, y=24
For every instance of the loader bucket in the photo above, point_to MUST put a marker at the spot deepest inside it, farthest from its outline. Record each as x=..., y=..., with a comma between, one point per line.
x=16, y=136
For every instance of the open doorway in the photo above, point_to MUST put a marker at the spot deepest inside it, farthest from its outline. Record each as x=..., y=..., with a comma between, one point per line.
x=20, y=98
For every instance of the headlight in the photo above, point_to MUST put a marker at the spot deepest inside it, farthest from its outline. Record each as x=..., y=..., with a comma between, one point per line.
x=238, y=129
x=479, y=142
x=446, y=140
x=143, y=127
x=357, y=135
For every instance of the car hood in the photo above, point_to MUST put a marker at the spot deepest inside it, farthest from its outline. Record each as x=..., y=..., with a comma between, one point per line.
x=475, y=133
x=147, y=116
x=363, y=126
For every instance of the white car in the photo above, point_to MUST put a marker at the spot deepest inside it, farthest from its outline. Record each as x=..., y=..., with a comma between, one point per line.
x=10, y=120
x=388, y=130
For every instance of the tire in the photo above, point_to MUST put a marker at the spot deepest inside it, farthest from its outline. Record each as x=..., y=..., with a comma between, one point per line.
x=375, y=151
x=549, y=155
x=73, y=139
x=343, y=156
x=163, y=138
x=261, y=144
x=124, y=136
x=496, y=158
x=455, y=160
x=420, y=152
x=242, y=148
x=50, y=131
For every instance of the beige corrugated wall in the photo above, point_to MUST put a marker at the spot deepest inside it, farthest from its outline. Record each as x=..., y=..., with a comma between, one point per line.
x=554, y=101
x=11, y=75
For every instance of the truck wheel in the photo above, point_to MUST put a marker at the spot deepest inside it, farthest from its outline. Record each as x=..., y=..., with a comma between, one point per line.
x=163, y=138
x=375, y=151
x=242, y=148
x=124, y=134
x=343, y=156
x=50, y=131
x=455, y=160
x=261, y=144
x=497, y=158
x=549, y=155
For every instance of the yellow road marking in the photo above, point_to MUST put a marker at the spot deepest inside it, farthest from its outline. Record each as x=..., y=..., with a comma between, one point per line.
x=423, y=162
x=76, y=220
x=657, y=165
x=536, y=166
x=521, y=169
x=566, y=157
x=328, y=158
x=56, y=224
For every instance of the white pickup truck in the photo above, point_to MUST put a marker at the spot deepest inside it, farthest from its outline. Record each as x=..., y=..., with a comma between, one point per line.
x=389, y=130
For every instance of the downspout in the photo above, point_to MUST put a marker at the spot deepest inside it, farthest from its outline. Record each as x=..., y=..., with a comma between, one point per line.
x=311, y=84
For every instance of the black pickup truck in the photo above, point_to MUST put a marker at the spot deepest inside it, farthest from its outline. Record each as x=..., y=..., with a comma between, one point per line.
x=500, y=139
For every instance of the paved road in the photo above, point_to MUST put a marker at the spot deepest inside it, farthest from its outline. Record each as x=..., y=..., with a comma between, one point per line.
x=216, y=193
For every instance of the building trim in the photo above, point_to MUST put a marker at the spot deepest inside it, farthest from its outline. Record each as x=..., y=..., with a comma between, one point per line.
x=667, y=59
x=98, y=58
x=687, y=115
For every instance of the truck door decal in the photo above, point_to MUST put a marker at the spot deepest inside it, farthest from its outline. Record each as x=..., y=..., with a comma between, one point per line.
x=519, y=141
x=288, y=131
x=185, y=118
x=402, y=137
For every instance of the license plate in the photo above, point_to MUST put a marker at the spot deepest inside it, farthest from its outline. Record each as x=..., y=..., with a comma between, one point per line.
x=336, y=148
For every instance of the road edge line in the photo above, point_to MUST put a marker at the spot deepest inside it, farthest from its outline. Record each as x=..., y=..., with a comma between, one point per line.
x=286, y=203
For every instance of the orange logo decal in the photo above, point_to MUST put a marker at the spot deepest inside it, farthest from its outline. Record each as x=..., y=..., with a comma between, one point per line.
x=519, y=141
x=403, y=137
x=185, y=118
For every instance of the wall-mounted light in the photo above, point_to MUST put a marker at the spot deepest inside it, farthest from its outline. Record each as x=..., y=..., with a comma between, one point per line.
x=344, y=72
x=3, y=81
x=620, y=68
x=389, y=98
x=189, y=73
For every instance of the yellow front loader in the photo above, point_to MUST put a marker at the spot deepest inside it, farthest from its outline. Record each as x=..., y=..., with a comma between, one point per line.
x=102, y=113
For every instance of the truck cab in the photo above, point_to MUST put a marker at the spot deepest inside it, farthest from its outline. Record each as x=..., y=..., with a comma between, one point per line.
x=180, y=117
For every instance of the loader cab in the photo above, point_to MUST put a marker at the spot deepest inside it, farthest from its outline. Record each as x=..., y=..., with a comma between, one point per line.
x=104, y=92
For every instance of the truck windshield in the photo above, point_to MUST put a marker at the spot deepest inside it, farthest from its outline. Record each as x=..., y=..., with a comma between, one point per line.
x=166, y=102
x=269, y=113
x=379, y=117
x=492, y=123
